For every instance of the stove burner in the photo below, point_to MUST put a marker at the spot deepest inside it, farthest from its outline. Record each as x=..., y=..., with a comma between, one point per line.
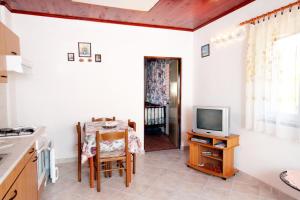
x=8, y=132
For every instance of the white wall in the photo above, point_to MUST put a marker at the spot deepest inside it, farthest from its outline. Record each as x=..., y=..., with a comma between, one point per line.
x=219, y=81
x=59, y=93
x=5, y=16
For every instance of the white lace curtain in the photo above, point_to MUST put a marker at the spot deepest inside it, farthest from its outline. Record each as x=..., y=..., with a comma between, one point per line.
x=273, y=75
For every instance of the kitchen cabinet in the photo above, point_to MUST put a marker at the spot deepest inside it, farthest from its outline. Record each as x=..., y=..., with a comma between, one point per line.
x=9, y=41
x=23, y=179
x=9, y=45
x=3, y=71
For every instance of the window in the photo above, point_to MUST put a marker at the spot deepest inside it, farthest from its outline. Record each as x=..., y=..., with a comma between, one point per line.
x=285, y=78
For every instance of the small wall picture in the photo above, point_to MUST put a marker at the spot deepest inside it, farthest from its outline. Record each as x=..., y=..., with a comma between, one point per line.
x=84, y=49
x=97, y=57
x=71, y=57
x=205, y=51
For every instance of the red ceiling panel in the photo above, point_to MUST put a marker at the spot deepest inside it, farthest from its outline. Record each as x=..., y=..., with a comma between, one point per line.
x=187, y=15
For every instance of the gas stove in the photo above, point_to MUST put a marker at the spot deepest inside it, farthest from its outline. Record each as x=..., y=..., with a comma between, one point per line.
x=21, y=131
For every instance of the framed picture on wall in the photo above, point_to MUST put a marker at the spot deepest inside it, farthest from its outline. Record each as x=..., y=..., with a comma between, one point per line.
x=205, y=51
x=97, y=57
x=84, y=49
x=71, y=57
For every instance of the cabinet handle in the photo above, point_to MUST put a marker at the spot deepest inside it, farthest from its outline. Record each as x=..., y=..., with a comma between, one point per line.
x=35, y=159
x=3, y=76
x=31, y=151
x=13, y=53
x=14, y=196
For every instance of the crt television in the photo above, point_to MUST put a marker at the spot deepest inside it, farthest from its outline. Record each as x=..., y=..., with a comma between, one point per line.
x=211, y=120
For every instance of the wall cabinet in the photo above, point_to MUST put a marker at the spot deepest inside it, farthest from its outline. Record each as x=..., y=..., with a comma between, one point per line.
x=9, y=45
x=22, y=182
x=3, y=71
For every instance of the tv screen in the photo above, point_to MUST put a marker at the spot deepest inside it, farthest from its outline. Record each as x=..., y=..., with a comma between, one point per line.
x=209, y=119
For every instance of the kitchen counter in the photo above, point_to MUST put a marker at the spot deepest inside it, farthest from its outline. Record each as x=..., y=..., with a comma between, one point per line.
x=15, y=153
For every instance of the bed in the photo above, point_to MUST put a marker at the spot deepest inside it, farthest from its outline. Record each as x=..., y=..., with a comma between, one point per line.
x=155, y=116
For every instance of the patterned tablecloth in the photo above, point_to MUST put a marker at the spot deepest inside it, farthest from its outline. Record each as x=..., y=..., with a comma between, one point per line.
x=89, y=145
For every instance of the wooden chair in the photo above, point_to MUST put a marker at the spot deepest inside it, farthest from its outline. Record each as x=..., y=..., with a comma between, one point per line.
x=119, y=156
x=79, y=150
x=108, y=164
x=103, y=119
x=132, y=124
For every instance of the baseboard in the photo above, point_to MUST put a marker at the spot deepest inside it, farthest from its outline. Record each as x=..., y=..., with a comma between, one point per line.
x=184, y=147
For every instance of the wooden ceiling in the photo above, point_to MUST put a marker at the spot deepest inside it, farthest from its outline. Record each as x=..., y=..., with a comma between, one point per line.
x=186, y=15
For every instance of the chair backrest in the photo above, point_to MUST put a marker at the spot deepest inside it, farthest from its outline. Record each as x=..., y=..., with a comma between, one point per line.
x=132, y=124
x=103, y=119
x=111, y=136
x=78, y=129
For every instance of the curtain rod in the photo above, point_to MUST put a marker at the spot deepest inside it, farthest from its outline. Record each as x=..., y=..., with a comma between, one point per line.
x=252, y=21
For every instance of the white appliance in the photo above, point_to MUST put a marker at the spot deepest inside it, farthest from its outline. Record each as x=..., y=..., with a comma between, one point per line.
x=42, y=144
x=46, y=161
x=53, y=169
x=15, y=63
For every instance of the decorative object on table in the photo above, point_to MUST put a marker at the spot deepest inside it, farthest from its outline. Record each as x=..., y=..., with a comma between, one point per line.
x=84, y=49
x=101, y=119
x=205, y=51
x=71, y=57
x=81, y=60
x=291, y=178
x=110, y=124
x=97, y=57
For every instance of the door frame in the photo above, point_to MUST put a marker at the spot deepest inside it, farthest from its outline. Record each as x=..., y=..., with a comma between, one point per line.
x=180, y=91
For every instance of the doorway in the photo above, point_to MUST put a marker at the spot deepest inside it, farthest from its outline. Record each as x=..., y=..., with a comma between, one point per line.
x=162, y=103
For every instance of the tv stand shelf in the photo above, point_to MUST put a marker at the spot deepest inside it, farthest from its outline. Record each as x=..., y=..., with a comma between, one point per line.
x=212, y=154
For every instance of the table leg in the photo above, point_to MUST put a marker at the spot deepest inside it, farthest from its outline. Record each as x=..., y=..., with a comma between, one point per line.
x=134, y=162
x=130, y=169
x=91, y=162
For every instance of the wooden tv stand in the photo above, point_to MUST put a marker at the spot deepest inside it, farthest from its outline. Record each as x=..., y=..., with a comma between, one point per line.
x=215, y=160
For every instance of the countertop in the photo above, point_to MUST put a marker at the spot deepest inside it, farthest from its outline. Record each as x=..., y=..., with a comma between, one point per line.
x=15, y=153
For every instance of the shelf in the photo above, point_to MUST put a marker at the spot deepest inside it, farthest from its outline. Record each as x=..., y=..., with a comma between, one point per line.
x=205, y=170
x=220, y=165
x=213, y=157
x=207, y=145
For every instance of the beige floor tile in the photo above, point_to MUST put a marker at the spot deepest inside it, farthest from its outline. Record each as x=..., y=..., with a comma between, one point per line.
x=245, y=188
x=161, y=175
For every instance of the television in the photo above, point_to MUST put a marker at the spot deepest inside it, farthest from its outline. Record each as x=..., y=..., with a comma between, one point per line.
x=211, y=120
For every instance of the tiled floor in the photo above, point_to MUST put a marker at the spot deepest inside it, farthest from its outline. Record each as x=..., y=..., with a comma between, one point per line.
x=161, y=175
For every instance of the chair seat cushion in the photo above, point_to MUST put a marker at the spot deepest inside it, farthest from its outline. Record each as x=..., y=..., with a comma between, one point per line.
x=112, y=154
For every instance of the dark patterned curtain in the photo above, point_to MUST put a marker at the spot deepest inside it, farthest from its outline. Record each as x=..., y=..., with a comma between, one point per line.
x=157, y=82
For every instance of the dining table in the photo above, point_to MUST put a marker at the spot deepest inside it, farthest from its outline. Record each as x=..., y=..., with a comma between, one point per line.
x=89, y=142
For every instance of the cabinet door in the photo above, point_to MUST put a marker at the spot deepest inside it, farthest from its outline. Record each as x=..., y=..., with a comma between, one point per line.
x=2, y=39
x=3, y=72
x=25, y=187
x=12, y=42
x=30, y=172
x=17, y=190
